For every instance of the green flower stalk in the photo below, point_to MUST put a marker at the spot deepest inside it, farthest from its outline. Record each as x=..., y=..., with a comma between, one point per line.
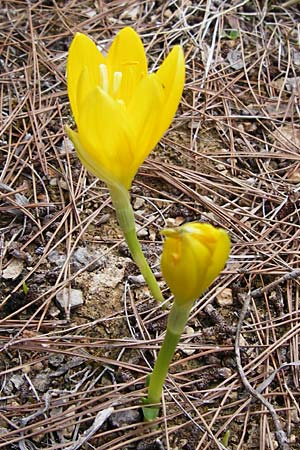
x=193, y=256
x=121, y=112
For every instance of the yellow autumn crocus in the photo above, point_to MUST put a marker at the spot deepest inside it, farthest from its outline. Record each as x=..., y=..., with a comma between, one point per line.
x=193, y=256
x=121, y=111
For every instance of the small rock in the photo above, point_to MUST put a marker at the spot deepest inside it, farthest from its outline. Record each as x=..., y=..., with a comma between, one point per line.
x=138, y=203
x=56, y=359
x=13, y=270
x=122, y=418
x=66, y=146
x=295, y=418
x=174, y=222
x=243, y=343
x=83, y=257
x=69, y=298
x=143, y=232
x=103, y=219
x=17, y=381
x=53, y=311
x=131, y=13
x=224, y=298
x=110, y=277
x=189, y=331
x=124, y=250
x=225, y=372
x=37, y=438
x=294, y=177
x=235, y=59
x=64, y=185
x=41, y=382
x=56, y=258
x=138, y=280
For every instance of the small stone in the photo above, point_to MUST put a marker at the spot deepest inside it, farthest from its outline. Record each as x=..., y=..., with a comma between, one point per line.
x=13, y=270
x=174, y=222
x=17, y=381
x=41, y=382
x=56, y=359
x=294, y=177
x=143, y=232
x=189, y=330
x=63, y=184
x=66, y=146
x=69, y=298
x=224, y=298
x=53, y=311
x=82, y=256
x=243, y=343
x=138, y=203
x=235, y=59
x=26, y=369
x=122, y=418
x=110, y=277
x=38, y=367
x=56, y=258
x=138, y=280
x=295, y=416
x=168, y=13
x=152, y=234
x=37, y=438
x=103, y=219
x=225, y=372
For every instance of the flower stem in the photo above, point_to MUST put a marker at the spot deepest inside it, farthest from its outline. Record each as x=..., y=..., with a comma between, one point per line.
x=121, y=201
x=176, y=322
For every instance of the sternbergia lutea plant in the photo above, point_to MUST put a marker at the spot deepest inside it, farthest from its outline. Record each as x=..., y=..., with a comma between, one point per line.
x=193, y=256
x=121, y=112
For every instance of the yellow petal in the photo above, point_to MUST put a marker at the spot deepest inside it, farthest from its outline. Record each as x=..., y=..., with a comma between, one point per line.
x=183, y=264
x=85, y=158
x=171, y=75
x=219, y=257
x=105, y=135
x=127, y=55
x=83, y=53
x=143, y=113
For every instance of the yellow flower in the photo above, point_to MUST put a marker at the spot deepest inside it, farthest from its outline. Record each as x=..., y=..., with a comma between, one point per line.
x=121, y=111
x=193, y=256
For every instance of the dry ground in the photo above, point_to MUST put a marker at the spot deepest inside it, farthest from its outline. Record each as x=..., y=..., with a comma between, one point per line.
x=231, y=158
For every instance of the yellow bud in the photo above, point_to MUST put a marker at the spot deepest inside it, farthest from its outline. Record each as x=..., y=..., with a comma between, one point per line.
x=193, y=256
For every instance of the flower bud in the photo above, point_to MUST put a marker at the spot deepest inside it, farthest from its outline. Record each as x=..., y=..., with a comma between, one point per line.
x=193, y=256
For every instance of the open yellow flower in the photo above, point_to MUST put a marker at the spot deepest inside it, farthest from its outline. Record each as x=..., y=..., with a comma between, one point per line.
x=193, y=256
x=121, y=111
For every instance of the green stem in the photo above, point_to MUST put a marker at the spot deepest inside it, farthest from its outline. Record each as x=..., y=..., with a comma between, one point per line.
x=121, y=201
x=177, y=320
